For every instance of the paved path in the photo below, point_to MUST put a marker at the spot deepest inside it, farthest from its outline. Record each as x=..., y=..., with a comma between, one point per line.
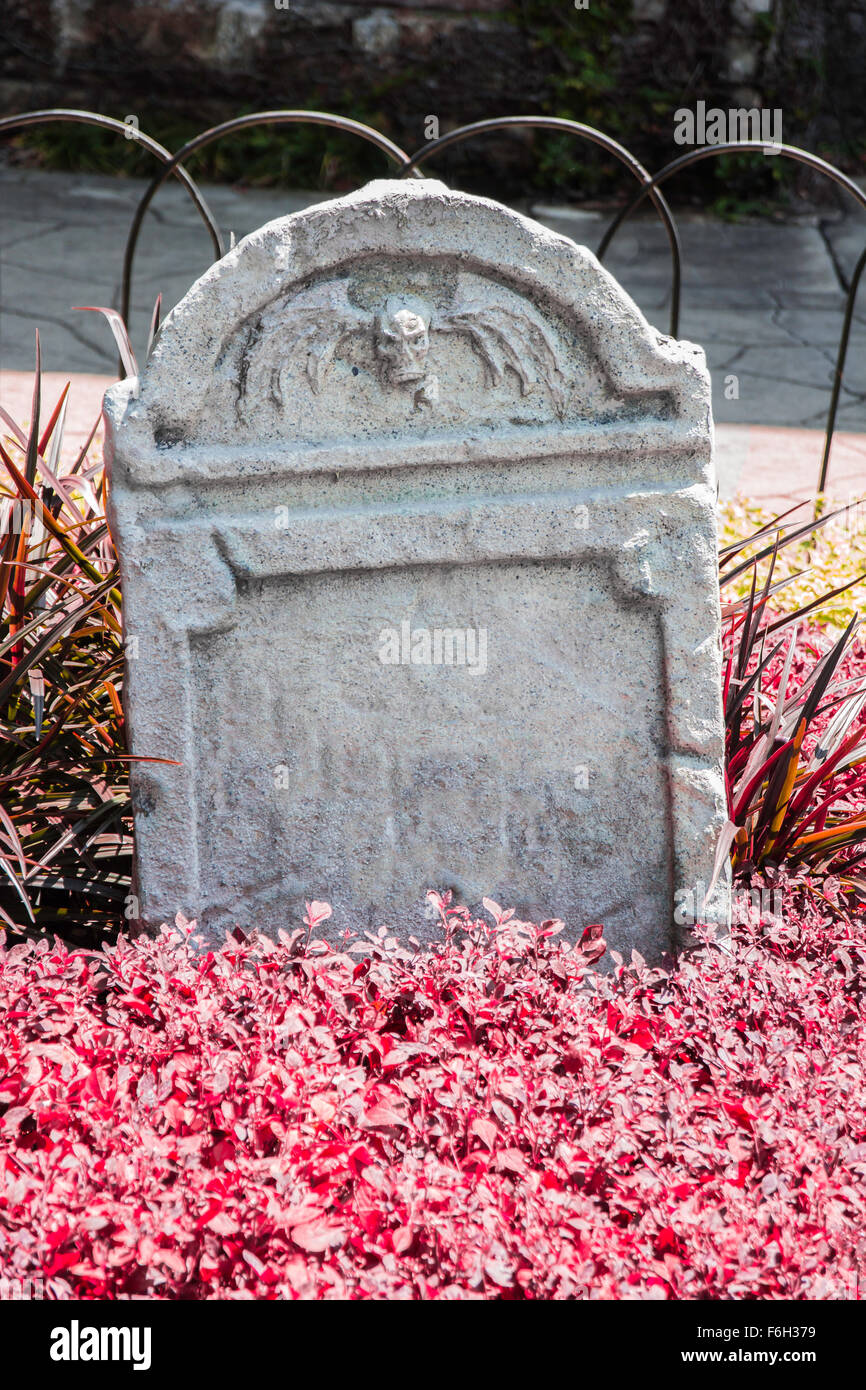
x=62, y=238
x=765, y=301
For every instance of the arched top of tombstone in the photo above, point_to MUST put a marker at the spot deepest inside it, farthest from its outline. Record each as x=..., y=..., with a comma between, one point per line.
x=406, y=309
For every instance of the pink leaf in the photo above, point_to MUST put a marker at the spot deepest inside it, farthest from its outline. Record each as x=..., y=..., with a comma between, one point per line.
x=318, y=1236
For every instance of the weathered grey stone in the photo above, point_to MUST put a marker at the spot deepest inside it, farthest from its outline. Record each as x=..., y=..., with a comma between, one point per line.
x=416, y=522
x=376, y=33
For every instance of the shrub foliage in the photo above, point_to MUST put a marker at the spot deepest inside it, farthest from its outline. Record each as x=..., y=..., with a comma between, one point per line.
x=484, y=1120
x=65, y=824
x=794, y=719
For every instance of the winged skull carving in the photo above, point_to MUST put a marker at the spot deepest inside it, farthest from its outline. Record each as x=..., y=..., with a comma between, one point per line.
x=309, y=331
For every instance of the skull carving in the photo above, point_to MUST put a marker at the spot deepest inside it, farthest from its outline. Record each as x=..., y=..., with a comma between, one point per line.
x=403, y=340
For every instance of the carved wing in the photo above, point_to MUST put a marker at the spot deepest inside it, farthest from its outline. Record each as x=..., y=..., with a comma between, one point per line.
x=506, y=336
x=303, y=334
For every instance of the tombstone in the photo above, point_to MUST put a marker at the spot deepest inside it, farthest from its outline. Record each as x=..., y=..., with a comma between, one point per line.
x=416, y=522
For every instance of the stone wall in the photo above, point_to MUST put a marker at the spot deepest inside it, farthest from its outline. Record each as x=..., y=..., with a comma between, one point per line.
x=624, y=66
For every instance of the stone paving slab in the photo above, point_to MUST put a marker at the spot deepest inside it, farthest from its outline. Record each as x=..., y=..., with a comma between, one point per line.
x=62, y=239
x=765, y=300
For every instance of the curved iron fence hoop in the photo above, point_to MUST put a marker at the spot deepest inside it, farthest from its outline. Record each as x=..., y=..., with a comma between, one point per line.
x=597, y=137
x=287, y=117
x=69, y=114
x=813, y=161
x=840, y=368
x=650, y=188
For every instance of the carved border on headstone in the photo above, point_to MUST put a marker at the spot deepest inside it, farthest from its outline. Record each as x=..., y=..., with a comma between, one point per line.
x=223, y=557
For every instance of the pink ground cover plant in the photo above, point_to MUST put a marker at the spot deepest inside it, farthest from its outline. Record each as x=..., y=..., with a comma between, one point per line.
x=488, y=1119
